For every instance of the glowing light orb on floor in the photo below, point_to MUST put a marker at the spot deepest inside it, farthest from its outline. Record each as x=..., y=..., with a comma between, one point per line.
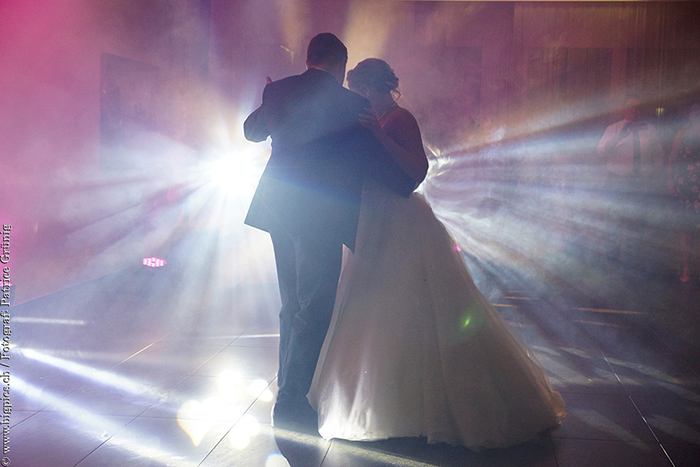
x=260, y=388
x=197, y=418
x=242, y=433
x=154, y=262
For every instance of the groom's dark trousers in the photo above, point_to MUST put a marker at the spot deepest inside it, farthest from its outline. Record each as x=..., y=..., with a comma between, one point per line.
x=308, y=199
x=307, y=270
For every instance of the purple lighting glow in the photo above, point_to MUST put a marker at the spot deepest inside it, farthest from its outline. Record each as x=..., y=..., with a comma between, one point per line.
x=154, y=262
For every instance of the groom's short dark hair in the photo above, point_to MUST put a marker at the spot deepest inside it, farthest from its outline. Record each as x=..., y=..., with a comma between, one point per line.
x=326, y=49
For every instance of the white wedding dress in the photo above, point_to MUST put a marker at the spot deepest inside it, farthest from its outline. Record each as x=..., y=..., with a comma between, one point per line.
x=414, y=349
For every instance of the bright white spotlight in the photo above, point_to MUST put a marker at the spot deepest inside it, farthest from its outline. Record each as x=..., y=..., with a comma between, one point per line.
x=234, y=175
x=224, y=171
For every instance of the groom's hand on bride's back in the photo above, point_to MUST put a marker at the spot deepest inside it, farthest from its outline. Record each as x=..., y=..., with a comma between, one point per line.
x=369, y=121
x=380, y=166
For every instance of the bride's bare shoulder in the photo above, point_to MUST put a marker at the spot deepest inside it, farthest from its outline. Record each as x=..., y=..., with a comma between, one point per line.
x=401, y=124
x=402, y=116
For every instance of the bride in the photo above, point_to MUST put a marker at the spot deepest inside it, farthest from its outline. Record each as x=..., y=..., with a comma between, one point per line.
x=414, y=348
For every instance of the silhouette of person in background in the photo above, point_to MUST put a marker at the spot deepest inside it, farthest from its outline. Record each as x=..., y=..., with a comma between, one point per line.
x=633, y=157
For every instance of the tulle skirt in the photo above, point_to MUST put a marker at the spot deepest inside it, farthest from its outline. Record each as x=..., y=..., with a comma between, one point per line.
x=415, y=349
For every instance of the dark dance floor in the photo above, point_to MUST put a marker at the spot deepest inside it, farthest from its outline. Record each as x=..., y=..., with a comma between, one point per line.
x=145, y=368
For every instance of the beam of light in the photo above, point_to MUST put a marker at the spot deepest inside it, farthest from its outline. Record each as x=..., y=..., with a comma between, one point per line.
x=297, y=443
x=295, y=26
x=567, y=375
x=59, y=321
x=369, y=28
x=616, y=312
x=647, y=371
x=297, y=448
x=676, y=428
x=680, y=391
x=232, y=167
x=222, y=182
x=601, y=423
x=136, y=353
x=91, y=423
x=225, y=183
x=375, y=456
x=163, y=195
x=77, y=354
x=547, y=350
x=575, y=351
x=120, y=215
x=235, y=174
x=105, y=378
x=533, y=224
x=598, y=323
x=256, y=336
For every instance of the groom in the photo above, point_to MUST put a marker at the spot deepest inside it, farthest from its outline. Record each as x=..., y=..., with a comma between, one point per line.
x=308, y=199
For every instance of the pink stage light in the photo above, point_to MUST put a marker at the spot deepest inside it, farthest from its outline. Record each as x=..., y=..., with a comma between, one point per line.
x=154, y=262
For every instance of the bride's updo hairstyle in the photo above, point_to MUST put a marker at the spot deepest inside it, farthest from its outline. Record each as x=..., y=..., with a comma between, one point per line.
x=374, y=74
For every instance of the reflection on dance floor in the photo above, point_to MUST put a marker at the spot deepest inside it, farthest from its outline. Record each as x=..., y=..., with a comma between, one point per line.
x=123, y=371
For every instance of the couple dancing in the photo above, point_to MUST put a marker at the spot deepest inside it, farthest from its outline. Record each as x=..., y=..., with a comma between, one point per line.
x=401, y=343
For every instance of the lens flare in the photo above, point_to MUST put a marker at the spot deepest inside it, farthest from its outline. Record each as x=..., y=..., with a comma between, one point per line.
x=231, y=175
x=243, y=432
x=466, y=322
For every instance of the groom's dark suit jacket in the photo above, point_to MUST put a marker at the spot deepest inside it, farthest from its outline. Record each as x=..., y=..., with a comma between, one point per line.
x=320, y=156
